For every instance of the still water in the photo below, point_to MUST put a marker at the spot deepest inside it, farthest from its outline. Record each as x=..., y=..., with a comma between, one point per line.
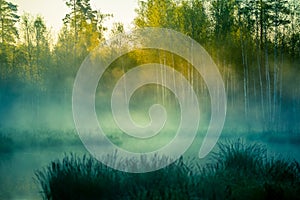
x=17, y=179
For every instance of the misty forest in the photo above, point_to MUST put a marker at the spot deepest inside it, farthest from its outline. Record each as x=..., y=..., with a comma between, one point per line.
x=254, y=43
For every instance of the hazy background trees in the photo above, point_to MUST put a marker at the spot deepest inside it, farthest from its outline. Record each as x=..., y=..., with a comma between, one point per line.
x=255, y=44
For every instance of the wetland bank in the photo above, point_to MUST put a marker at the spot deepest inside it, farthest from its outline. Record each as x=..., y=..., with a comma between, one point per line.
x=255, y=46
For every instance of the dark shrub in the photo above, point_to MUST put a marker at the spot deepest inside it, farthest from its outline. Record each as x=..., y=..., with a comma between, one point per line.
x=244, y=171
x=78, y=178
x=239, y=171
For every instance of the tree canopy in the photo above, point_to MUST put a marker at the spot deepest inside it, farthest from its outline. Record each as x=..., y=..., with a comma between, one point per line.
x=255, y=44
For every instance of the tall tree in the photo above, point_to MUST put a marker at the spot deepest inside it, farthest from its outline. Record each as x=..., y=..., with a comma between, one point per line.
x=245, y=30
x=294, y=29
x=155, y=13
x=8, y=19
x=28, y=47
x=35, y=45
x=280, y=13
x=194, y=20
x=82, y=31
x=86, y=25
x=8, y=36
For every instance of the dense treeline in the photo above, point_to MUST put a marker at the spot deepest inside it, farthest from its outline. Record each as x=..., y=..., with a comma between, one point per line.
x=255, y=44
x=35, y=71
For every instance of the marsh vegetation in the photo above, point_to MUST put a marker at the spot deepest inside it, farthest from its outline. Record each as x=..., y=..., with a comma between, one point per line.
x=237, y=171
x=256, y=47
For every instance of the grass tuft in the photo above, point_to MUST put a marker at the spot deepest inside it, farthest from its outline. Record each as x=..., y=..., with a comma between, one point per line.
x=239, y=171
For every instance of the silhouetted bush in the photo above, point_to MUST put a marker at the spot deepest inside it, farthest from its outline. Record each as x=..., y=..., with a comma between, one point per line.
x=78, y=178
x=238, y=171
x=242, y=171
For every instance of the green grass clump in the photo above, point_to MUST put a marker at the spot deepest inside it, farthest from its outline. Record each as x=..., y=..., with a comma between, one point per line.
x=241, y=158
x=238, y=171
x=244, y=171
x=171, y=182
x=85, y=178
x=78, y=178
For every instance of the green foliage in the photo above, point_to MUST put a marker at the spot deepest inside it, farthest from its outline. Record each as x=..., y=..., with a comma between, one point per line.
x=85, y=24
x=249, y=40
x=8, y=36
x=188, y=17
x=35, y=50
x=238, y=171
x=8, y=20
x=255, y=44
x=223, y=15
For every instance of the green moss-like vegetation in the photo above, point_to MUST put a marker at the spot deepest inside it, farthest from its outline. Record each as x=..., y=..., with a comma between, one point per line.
x=238, y=171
